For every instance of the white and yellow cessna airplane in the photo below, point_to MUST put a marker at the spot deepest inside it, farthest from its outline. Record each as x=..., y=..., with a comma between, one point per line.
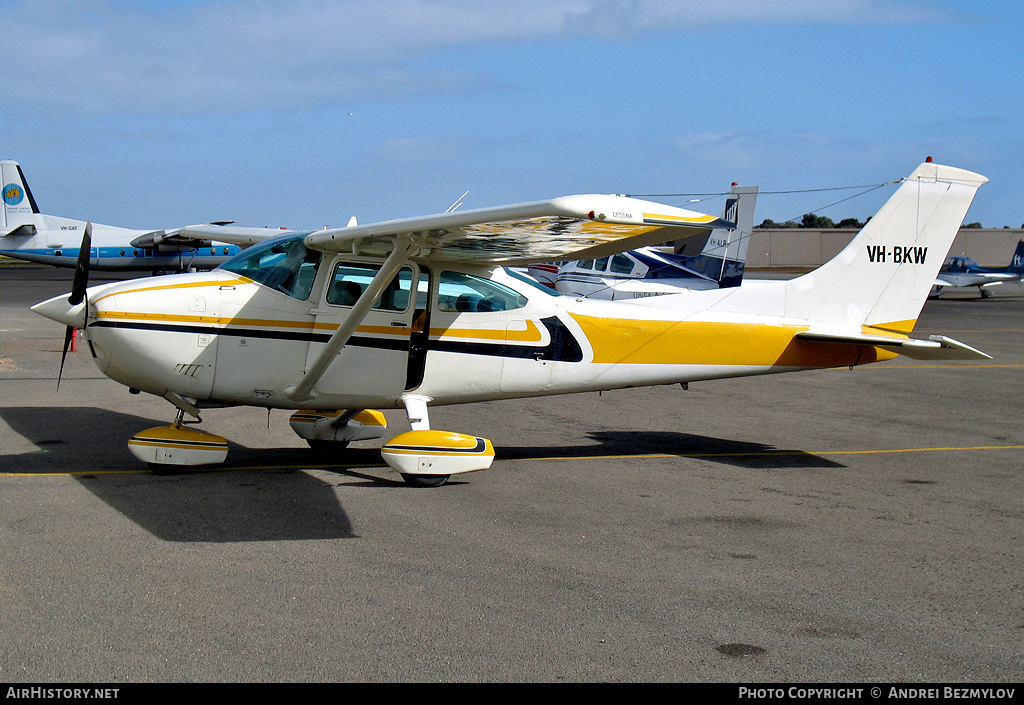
x=421, y=311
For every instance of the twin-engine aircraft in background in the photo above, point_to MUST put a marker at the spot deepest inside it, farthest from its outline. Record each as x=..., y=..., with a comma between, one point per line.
x=27, y=234
x=423, y=311
x=963, y=272
x=650, y=271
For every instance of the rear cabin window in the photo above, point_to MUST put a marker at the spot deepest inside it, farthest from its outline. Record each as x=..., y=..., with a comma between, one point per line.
x=458, y=292
x=351, y=279
x=622, y=264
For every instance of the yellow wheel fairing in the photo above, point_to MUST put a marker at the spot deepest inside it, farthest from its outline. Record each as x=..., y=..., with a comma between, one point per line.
x=437, y=453
x=442, y=442
x=178, y=445
x=367, y=417
x=312, y=425
x=370, y=417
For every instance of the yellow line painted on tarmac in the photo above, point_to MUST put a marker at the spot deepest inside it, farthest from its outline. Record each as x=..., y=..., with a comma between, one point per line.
x=638, y=456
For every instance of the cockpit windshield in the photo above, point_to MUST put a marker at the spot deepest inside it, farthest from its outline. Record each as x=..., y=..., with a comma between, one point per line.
x=283, y=264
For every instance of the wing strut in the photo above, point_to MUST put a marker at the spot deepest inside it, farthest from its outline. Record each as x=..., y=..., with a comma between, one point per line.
x=303, y=391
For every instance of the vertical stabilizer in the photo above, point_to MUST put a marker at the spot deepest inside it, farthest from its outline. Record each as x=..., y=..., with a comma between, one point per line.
x=1017, y=263
x=882, y=278
x=725, y=254
x=19, y=208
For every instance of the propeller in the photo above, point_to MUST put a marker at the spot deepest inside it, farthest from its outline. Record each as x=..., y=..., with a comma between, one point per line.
x=78, y=286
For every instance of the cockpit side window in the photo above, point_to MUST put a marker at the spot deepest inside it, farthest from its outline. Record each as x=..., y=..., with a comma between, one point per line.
x=459, y=292
x=285, y=265
x=622, y=264
x=351, y=279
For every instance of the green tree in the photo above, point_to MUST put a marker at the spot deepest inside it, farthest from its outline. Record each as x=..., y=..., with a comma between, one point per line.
x=818, y=222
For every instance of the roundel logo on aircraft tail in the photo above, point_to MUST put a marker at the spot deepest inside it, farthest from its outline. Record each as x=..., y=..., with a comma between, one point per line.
x=13, y=194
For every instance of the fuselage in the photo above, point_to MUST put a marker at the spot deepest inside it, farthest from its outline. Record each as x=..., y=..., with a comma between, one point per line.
x=242, y=334
x=637, y=274
x=964, y=271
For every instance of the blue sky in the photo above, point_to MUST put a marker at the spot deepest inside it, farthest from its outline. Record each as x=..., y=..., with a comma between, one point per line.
x=301, y=113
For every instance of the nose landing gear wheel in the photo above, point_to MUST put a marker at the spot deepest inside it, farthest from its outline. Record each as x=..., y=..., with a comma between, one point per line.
x=425, y=480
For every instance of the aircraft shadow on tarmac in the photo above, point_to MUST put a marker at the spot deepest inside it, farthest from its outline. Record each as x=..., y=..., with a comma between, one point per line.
x=669, y=443
x=276, y=502
x=262, y=494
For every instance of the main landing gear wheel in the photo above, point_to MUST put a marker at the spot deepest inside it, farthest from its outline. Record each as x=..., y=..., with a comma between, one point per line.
x=424, y=480
x=163, y=469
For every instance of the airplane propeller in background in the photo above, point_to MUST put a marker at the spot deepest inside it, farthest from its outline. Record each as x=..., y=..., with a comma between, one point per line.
x=78, y=286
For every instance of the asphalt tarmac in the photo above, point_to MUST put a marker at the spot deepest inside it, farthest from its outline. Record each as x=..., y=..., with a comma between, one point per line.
x=835, y=526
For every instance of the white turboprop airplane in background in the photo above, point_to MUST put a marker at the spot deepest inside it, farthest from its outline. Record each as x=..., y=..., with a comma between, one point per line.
x=334, y=324
x=649, y=271
x=27, y=234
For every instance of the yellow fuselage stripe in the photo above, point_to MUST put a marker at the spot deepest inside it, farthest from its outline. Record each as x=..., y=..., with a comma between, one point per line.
x=645, y=342
x=235, y=281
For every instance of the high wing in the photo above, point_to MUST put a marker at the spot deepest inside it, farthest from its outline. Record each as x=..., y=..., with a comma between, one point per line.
x=567, y=227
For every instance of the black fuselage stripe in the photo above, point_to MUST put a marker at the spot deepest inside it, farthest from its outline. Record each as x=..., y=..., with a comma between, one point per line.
x=480, y=447
x=562, y=348
x=176, y=442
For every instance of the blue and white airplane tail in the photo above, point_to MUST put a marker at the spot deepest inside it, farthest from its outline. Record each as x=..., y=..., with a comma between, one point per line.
x=1017, y=263
x=725, y=254
x=20, y=209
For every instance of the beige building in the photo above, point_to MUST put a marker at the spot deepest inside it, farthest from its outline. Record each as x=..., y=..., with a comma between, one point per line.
x=806, y=247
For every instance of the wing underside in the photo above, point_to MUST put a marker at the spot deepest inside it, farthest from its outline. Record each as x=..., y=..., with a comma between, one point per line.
x=570, y=227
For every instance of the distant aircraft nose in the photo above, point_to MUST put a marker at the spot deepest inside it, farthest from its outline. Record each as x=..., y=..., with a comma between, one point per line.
x=58, y=309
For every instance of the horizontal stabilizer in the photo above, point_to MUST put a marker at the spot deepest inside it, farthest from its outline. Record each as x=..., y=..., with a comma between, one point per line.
x=936, y=347
x=24, y=230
